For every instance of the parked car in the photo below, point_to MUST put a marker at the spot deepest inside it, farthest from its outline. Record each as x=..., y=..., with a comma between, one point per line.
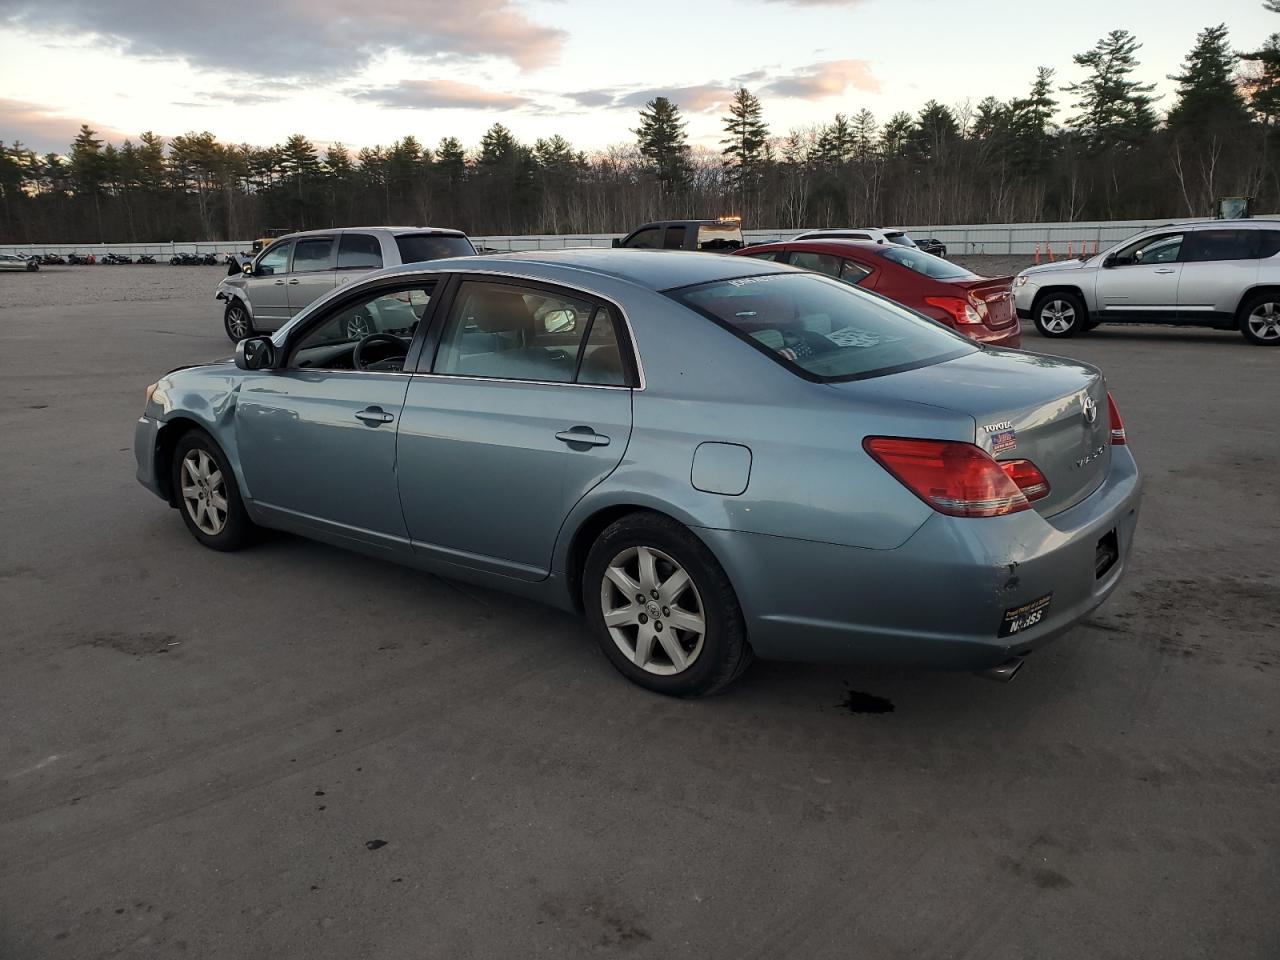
x=295, y=270
x=874, y=234
x=932, y=245
x=14, y=262
x=713, y=457
x=53, y=260
x=1212, y=273
x=981, y=308
x=709, y=236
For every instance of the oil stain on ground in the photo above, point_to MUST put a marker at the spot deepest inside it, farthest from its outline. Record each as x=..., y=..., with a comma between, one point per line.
x=857, y=702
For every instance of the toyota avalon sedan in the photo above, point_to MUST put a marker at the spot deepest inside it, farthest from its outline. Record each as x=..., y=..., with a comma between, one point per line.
x=712, y=458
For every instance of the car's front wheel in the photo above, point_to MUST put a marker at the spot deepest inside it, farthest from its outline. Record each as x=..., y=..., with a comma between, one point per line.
x=1059, y=315
x=662, y=608
x=237, y=321
x=1260, y=320
x=204, y=486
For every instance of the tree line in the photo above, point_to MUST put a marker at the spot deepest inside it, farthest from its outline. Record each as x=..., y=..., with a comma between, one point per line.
x=1115, y=156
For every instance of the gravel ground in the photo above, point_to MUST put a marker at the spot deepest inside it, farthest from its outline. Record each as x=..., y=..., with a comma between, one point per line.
x=299, y=752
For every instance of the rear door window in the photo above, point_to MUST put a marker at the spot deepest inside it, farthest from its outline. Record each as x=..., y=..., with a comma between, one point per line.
x=1206, y=245
x=853, y=273
x=822, y=329
x=1268, y=243
x=673, y=238
x=421, y=247
x=359, y=251
x=823, y=263
x=312, y=253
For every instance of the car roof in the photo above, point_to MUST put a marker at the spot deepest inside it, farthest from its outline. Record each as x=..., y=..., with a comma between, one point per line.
x=395, y=231
x=656, y=270
x=824, y=244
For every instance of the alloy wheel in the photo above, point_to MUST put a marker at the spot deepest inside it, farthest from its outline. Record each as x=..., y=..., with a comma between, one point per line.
x=357, y=326
x=1264, y=321
x=204, y=494
x=238, y=322
x=1058, y=316
x=652, y=611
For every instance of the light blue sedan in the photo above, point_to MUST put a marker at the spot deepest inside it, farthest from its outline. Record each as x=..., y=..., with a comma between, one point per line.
x=711, y=457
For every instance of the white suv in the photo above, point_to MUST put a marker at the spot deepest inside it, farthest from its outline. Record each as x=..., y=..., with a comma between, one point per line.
x=302, y=267
x=874, y=234
x=1214, y=273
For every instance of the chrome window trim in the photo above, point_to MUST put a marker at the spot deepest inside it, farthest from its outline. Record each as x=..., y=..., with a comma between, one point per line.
x=543, y=383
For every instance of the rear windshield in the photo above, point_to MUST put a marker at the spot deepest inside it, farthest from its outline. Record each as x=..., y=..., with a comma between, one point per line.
x=900, y=238
x=822, y=329
x=417, y=247
x=926, y=263
x=717, y=237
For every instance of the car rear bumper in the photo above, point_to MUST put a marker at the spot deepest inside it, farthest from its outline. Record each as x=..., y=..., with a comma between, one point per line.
x=938, y=600
x=1010, y=336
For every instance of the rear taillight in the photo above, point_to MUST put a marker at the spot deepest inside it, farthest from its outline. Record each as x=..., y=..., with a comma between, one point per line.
x=958, y=479
x=959, y=309
x=1117, y=425
x=1027, y=476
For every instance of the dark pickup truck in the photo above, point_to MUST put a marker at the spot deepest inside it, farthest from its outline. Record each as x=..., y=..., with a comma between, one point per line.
x=709, y=236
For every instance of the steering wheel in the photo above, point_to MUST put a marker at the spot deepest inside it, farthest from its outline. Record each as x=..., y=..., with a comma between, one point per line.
x=361, y=362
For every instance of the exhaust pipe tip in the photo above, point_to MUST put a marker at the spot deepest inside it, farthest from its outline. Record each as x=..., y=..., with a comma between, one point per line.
x=1003, y=672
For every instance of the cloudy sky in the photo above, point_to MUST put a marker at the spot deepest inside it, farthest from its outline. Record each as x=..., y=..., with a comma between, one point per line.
x=370, y=71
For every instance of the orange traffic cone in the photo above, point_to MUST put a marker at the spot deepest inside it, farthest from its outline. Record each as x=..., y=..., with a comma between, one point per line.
x=1070, y=255
x=1049, y=248
x=1037, y=254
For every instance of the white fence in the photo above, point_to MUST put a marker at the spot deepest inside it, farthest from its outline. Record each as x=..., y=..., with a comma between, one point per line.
x=973, y=238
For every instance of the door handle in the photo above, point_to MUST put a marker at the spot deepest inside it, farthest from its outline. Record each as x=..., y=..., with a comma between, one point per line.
x=374, y=416
x=293, y=280
x=279, y=283
x=1165, y=270
x=583, y=435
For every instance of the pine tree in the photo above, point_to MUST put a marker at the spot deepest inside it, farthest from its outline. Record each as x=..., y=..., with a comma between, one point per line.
x=451, y=160
x=497, y=147
x=863, y=129
x=933, y=133
x=1208, y=99
x=1031, y=122
x=1114, y=110
x=663, y=143
x=836, y=142
x=1264, y=85
x=893, y=137
x=748, y=135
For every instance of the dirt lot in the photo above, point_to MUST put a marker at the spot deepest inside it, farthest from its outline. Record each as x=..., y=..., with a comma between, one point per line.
x=299, y=752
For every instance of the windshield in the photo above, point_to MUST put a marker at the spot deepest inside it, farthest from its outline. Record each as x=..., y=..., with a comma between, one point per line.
x=822, y=329
x=926, y=264
x=417, y=247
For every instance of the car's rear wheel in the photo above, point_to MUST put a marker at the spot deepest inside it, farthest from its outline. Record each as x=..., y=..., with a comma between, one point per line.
x=662, y=608
x=1059, y=315
x=237, y=321
x=1260, y=320
x=204, y=486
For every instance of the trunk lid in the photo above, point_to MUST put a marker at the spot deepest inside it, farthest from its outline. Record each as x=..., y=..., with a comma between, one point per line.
x=1025, y=406
x=996, y=294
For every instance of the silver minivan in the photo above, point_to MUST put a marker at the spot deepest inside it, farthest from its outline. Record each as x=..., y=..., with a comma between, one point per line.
x=299, y=268
x=1214, y=273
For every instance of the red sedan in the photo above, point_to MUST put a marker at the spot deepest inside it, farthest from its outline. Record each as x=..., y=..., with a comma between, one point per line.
x=978, y=307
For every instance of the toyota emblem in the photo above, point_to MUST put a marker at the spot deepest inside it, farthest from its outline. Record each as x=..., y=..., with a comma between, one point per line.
x=1089, y=409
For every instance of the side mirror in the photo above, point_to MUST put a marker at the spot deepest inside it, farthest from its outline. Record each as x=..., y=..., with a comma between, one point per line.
x=255, y=353
x=247, y=269
x=617, y=242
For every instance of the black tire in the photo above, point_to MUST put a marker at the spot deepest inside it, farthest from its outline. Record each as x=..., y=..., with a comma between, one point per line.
x=1260, y=319
x=237, y=530
x=237, y=322
x=1059, y=314
x=724, y=652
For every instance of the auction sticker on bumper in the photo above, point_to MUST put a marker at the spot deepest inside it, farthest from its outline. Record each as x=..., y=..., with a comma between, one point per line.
x=1017, y=619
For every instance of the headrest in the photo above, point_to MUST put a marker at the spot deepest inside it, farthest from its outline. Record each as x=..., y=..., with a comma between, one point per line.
x=498, y=311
